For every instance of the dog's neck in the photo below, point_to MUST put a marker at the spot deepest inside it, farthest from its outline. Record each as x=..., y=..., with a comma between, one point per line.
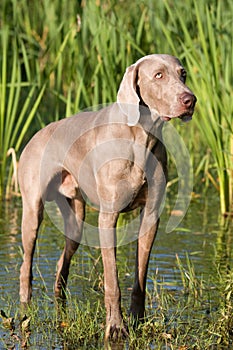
x=152, y=125
x=149, y=119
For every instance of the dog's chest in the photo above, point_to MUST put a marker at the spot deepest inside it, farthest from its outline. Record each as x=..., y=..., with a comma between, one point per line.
x=115, y=185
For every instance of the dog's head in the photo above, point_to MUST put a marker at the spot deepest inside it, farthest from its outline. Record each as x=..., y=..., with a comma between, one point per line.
x=158, y=82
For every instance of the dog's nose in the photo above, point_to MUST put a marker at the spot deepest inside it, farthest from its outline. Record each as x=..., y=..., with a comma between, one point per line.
x=188, y=99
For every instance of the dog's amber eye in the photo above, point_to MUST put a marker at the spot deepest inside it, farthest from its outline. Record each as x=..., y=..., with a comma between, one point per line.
x=158, y=75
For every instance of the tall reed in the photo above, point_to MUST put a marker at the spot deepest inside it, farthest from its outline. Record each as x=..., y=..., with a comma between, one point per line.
x=19, y=100
x=208, y=56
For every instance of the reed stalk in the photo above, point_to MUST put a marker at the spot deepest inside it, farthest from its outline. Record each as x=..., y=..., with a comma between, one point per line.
x=19, y=99
x=208, y=57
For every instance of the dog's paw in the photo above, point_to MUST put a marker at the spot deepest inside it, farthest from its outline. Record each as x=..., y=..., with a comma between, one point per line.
x=116, y=332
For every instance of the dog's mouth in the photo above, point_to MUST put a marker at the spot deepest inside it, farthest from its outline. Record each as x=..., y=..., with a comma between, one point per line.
x=185, y=117
x=165, y=118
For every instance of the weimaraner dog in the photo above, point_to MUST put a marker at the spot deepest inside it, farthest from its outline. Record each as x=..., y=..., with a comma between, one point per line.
x=116, y=159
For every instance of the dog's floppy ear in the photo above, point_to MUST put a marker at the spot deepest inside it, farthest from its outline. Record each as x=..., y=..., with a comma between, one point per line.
x=127, y=97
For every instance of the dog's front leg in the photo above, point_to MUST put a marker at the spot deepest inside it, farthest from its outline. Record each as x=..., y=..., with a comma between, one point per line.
x=147, y=233
x=114, y=322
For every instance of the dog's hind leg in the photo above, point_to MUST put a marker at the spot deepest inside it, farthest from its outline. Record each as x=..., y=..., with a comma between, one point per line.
x=31, y=220
x=73, y=212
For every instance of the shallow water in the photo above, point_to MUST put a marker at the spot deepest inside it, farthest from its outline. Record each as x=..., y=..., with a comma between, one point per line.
x=199, y=236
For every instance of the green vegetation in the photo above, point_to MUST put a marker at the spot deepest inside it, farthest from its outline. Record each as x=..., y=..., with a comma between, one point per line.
x=209, y=61
x=193, y=314
x=19, y=100
x=58, y=58
x=189, y=295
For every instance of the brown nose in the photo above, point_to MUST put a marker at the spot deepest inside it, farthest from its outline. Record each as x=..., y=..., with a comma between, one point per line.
x=188, y=99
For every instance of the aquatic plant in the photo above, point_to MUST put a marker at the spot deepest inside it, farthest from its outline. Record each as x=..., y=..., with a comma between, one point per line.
x=20, y=96
x=190, y=313
x=208, y=56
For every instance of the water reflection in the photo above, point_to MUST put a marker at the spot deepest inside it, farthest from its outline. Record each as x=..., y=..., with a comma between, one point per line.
x=200, y=235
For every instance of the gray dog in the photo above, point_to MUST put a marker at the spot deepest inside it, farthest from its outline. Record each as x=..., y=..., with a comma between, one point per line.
x=116, y=159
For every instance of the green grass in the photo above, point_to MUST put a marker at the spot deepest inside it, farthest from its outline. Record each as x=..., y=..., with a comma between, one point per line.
x=209, y=61
x=194, y=313
x=19, y=100
x=189, y=299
